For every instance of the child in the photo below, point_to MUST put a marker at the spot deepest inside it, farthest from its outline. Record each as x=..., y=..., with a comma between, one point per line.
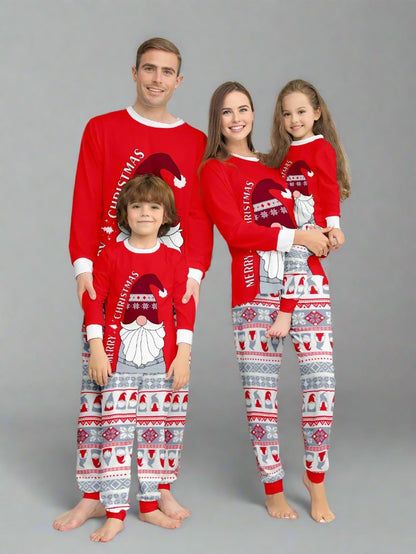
x=137, y=362
x=315, y=169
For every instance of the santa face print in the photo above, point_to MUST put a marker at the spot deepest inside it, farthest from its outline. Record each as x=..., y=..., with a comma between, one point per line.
x=156, y=78
x=236, y=118
x=299, y=115
x=144, y=219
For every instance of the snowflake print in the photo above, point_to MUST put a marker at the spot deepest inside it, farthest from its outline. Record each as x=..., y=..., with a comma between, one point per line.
x=264, y=215
x=263, y=314
x=110, y=434
x=271, y=432
x=314, y=317
x=249, y=314
x=82, y=436
x=319, y=436
x=145, y=306
x=127, y=432
x=258, y=431
x=273, y=211
x=154, y=306
x=95, y=435
x=150, y=435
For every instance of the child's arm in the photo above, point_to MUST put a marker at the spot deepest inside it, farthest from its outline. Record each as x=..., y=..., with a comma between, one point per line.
x=336, y=238
x=99, y=368
x=179, y=368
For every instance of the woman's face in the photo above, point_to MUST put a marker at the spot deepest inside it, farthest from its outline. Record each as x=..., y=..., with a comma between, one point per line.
x=236, y=117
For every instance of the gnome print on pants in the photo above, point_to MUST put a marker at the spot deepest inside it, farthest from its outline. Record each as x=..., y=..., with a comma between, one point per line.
x=142, y=336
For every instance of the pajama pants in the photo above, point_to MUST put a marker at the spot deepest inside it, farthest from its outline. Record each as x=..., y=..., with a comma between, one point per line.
x=259, y=360
x=90, y=440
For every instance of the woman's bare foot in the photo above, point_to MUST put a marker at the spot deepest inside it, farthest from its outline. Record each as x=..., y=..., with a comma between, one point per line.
x=281, y=325
x=108, y=531
x=278, y=506
x=320, y=511
x=160, y=519
x=171, y=507
x=86, y=508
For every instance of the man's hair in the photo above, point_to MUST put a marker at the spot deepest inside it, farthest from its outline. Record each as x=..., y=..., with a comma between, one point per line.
x=158, y=43
x=147, y=188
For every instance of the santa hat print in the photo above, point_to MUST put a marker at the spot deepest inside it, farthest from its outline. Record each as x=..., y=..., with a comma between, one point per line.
x=142, y=301
x=268, y=206
x=155, y=163
x=296, y=179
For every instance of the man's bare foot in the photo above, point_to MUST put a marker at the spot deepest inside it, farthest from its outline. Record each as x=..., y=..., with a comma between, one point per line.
x=160, y=519
x=281, y=325
x=171, y=507
x=85, y=509
x=108, y=531
x=320, y=511
x=278, y=506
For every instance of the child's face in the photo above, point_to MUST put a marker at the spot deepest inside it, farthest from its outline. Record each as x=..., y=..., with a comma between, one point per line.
x=145, y=219
x=299, y=115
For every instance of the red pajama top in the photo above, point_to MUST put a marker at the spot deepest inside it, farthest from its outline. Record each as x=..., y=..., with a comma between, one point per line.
x=113, y=146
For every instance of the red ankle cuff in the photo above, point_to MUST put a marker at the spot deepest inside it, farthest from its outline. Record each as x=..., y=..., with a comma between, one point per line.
x=92, y=495
x=121, y=515
x=165, y=486
x=146, y=507
x=315, y=477
x=273, y=488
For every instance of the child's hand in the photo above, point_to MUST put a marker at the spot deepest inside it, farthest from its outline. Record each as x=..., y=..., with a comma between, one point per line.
x=336, y=239
x=99, y=367
x=180, y=368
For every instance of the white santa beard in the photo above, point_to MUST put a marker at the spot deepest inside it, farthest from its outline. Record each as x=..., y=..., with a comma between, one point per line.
x=274, y=263
x=304, y=206
x=142, y=343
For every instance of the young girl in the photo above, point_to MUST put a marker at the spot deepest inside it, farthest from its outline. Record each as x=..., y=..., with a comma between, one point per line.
x=315, y=168
x=245, y=199
x=142, y=360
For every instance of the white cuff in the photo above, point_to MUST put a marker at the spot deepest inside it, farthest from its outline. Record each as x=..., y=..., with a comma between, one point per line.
x=285, y=239
x=184, y=335
x=333, y=221
x=195, y=274
x=94, y=331
x=82, y=265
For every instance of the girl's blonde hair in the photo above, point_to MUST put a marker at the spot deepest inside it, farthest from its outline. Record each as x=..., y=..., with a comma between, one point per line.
x=281, y=139
x=216, y=147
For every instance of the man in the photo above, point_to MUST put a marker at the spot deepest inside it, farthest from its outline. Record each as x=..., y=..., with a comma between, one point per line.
x=144, y=138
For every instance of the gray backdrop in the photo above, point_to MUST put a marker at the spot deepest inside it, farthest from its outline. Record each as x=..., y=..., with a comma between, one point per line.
x=65, y=61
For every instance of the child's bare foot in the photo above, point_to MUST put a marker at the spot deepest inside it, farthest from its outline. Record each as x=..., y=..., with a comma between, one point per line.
x=108, y=531
x=160, y=519
x=278, y=506
x=320, y=511
x=281, y=326
x=171, y=507
x=85, y=509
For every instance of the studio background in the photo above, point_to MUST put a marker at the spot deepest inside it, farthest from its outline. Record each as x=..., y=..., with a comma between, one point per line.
x=64, y=62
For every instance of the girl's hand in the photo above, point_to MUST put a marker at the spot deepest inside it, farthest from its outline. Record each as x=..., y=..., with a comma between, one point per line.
x=99, y=367
x=336, y=239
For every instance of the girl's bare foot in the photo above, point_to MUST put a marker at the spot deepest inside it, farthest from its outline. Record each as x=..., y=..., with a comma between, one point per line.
x=160, y=519
x=278, y=506
x=320, y=511
x=108, y=531
x=281, y=326
x=171, y=507
x=85, y=509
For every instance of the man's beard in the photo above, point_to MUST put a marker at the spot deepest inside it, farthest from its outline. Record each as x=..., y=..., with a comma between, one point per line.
x=142, y=343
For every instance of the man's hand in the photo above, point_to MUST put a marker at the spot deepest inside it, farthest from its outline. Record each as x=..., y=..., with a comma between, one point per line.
x=84, y=283
x=192, y=289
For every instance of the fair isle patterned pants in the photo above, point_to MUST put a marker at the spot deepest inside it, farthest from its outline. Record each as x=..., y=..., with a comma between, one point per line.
x=259, y=359
x=103, y=453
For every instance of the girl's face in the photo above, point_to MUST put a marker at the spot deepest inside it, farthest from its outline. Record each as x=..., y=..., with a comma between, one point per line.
x=299, y=115
x=236, y=117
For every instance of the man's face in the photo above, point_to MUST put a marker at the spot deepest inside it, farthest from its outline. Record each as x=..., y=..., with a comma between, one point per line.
x=156, y=78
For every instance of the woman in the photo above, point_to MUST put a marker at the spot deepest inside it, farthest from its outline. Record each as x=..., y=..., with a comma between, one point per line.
x=253, y=211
